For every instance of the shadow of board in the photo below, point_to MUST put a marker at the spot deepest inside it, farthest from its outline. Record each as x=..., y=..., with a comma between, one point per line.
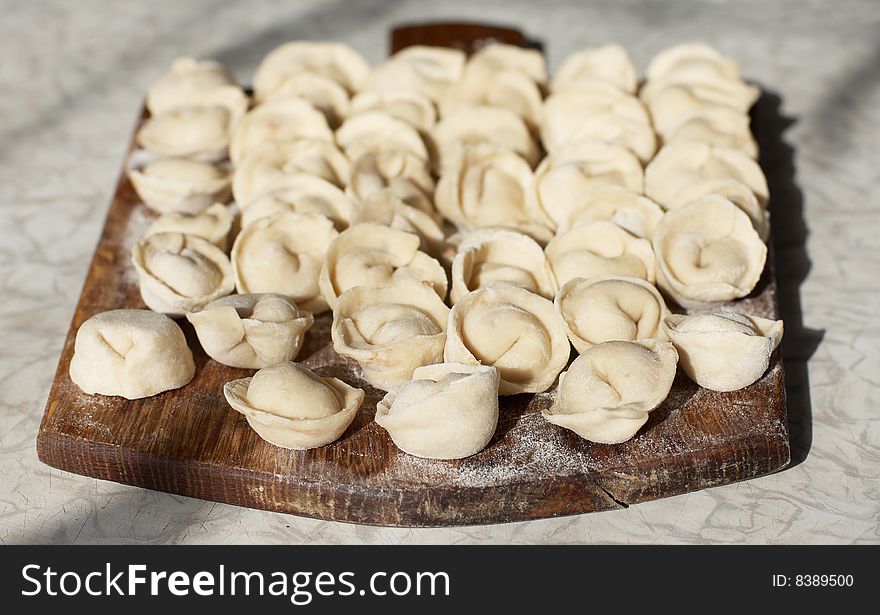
x=789, y=236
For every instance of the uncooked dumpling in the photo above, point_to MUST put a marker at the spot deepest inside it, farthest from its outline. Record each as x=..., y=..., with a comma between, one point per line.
x=186, y=81
x=448, y=411
x=179, y=185
x=324, y=94
x=606, y=308
x=608, y=391
x=212, y=224
x=486, y=185
x=405, y=174
x=282, y=120
x=564, y=177
x=494, y=256
x=484, y=125
x=501, y=56
x=575, y=115
x=387, y=209
x=707, y=253
x=200, y=133
x=670, y=102
x=267, y=164
x=378, y=131
x=600, y=248
x=251, y=331
x=680, y=168
x=724, y=351
x=425, y=70
x=411, y=107
x=291, y=406
x=130, y=353
x=734, y=191
x=180, y=273
x=632, y=212
x=605, y=63
x=390, y=331
x=507, y=89
x=692, y=62
x=716, y=125
x=377, y=256
x=283, y=254
x=328, y=59
x=513, y=329
x=301, y=193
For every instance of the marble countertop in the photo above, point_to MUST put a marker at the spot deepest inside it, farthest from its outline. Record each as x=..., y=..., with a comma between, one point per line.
x=74, y=76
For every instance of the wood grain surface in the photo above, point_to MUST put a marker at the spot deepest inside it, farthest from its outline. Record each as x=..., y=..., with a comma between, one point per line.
x=190, y=442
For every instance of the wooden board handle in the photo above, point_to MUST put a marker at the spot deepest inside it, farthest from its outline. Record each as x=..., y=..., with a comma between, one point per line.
x=469, y=37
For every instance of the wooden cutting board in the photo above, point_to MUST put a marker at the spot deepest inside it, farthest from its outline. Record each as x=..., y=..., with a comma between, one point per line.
x=190, y=442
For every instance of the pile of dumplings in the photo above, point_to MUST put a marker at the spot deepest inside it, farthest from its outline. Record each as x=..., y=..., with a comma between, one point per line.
x=467, y=221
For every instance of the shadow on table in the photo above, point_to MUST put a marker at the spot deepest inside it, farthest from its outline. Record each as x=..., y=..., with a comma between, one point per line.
x=789, y=237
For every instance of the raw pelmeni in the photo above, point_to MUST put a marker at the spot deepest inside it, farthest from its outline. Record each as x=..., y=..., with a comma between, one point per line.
x=335, y=61
x=185, y=82
x=507, y=89
x=283, y=254
x=411, y=107
x=425, y=70
x=669, y=103
x=600, y=248
x=180, y=273
x=405, y=174
x=378, y=131
x=282, y=120
x=724, y=351
x=386, y=208
x=606, y=63
x=301, y=193
x=707, y=253
x=493, y=256
x=717, y=125
x=290, y=406
x=130, y=353
x=632, y=212
x=212, y=224
x=609, y=308
x=390, y=331
x=692, y=62
x=513, y=329
x=372, y=255
x=324, y=94
x=608, y=391
x=482, y=124
x=179, y=185
x=501, y=56
x=448, y=411
x=251, y=331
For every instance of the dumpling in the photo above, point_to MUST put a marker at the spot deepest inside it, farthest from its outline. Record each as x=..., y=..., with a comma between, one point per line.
x=180, y=273
x=501, y=56
x=282, y=120
x=291, y=406
x=377, y=256
x=377, y=131
x=608, y=391
x=692, y=62
x=605, y=63
x=575, y=115
x=201, y=133
x=251, y=331
x=425, y=70
x=675, y=175
x=331, y=60
x=405, y=174
x=669, y=103
x=130, y=353
x=632, y=212
x=716, y=125
x=283, y=254
x=734, y=191
x=492, y=256
x=506, y=89
x=212, y=224
x=611, y=307
x=513, y=329
x=707, y=253
x=448, y=411
x=483, y=125
x=179, y=185
x=301, y=193
x=724, y=351
x=564, y=177
x=486, y=185
x=390, y=331
x=600, y=248
x=387, y=209
x=267, y=164
x=324, y=94
x=411, y=107
x=186, y=81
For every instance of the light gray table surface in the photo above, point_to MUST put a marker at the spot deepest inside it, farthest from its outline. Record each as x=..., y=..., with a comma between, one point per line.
x=73, y=75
